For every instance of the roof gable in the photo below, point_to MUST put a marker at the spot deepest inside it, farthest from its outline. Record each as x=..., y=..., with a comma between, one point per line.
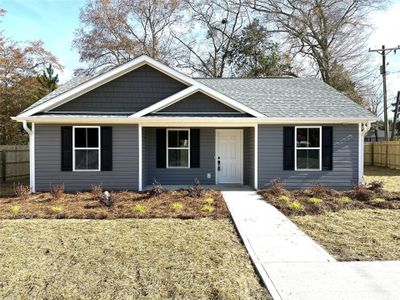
x=79, y=86
x=198, y=103
x=128, y=93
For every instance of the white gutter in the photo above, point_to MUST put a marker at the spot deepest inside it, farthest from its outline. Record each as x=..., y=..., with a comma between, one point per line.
x=199, y=121
x=31, y=133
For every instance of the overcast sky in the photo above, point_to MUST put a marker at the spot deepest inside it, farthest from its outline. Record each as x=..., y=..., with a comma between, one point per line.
x=54, y=22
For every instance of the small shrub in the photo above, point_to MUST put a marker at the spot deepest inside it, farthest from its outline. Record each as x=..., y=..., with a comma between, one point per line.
x=15, y=209
x=139, y=208
x=314, y=200
x=96, y=191
x=318, y=190
x=376, y=186
x=296, y=206
x=177, y=206
x=344, y=200
x=284, y=198
x=277, y=186
x=196, y=190
x=156, y=189
x=57, y=190
x=208, y=208
x=21, y=190
x=56, y=209
x=209, y=201
x=377, y=200
x=361, y=192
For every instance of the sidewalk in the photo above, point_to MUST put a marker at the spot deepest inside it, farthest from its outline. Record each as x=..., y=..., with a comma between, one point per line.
x=293, y=266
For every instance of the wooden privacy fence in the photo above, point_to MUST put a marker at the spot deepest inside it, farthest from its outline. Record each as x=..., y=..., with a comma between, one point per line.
x=382, y=154
x=14, y=162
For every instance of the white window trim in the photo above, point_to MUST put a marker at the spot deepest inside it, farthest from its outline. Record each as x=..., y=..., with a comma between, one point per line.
x=178, y=148
x=308, y=148
x=84, y=148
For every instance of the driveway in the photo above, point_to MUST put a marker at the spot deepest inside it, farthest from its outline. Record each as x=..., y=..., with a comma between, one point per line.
x=293, y=266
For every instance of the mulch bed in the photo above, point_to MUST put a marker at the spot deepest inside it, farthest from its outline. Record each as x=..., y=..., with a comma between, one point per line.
x=297, y=202
x=126, y=205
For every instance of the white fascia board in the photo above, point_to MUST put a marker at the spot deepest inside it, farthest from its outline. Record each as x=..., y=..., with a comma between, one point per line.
x=160, y=120
x=104, y=78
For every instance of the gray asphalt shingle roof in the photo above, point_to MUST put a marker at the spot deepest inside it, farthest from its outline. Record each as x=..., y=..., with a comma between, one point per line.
x=289, y=97
x=283, y=97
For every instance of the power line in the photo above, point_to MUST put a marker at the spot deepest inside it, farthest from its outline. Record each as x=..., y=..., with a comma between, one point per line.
x=383, y=52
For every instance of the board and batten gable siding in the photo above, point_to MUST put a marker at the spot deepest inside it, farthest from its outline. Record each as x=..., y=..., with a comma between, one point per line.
x=345, y=160
x=198, y=102
x=129, y=93
x=124, y=175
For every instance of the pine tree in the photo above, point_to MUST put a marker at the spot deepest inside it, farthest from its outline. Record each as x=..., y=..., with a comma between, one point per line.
x=48, y=82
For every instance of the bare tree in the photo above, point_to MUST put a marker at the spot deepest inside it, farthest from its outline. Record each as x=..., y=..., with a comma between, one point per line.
x=114, y=32
x=330, y=33
x=216, y=23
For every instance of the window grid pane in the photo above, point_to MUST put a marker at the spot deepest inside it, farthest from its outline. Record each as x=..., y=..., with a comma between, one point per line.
x=178, y=148
x=86, y=148
x=308, y=148
x=178, y=157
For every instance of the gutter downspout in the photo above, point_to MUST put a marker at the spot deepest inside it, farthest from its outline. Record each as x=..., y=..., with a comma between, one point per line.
x=31, y=133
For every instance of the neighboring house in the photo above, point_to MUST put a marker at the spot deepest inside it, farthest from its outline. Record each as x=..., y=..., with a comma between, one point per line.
x=143, y=121
x=379, y=136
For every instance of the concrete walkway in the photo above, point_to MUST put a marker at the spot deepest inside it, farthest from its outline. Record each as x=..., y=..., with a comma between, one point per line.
x=293, y=266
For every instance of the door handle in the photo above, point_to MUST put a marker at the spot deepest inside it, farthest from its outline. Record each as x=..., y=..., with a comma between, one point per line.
x=219, y=164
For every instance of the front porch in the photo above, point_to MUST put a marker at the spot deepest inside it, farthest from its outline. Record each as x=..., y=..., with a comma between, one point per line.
x=219, y=157
x=218, y=187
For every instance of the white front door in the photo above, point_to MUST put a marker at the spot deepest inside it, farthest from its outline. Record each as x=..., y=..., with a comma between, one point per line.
x=229, y=156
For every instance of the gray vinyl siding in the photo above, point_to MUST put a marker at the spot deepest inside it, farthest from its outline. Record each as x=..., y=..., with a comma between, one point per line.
x=48, y=161
x=345, y=160
x=171, y=176
x=248, y=156
x=131, y=92
x=179, y=176
x=198, y=102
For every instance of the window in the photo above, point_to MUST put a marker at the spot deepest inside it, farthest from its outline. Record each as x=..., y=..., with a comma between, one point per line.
x=308, y=148
x=86, y=148
x=178, y=148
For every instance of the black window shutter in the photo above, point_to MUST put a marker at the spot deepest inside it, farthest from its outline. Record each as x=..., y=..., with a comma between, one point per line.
x=194, y=148
x=288, y=148
x=327, y=147
x=161, y=146
x=66, y=148
x=106, y=148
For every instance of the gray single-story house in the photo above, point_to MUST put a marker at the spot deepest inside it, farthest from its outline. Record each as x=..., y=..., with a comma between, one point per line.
x=143, y=121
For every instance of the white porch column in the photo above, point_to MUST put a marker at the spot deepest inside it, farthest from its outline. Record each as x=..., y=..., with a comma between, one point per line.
x=140, y=187
x=256, y=156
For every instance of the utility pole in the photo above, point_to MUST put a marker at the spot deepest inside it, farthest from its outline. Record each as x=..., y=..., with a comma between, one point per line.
x=396, y=113
x=383, y=52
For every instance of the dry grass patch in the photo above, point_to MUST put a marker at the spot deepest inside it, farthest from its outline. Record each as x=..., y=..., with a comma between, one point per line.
x=125, y=259
x=356, y=234
x=125, y=205
x=306, y=202
x=390, y=177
